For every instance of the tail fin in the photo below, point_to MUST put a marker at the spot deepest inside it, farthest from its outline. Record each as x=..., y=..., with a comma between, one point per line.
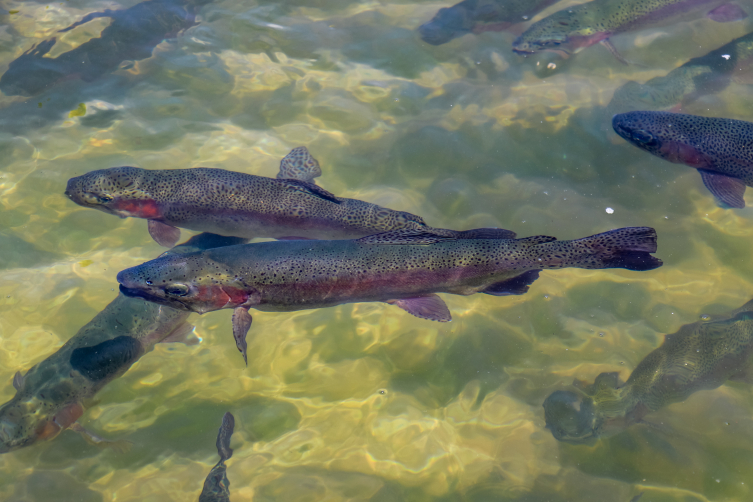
x=628, y=248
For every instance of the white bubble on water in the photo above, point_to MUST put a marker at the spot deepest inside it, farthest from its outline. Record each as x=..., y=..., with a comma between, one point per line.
x=610, y=210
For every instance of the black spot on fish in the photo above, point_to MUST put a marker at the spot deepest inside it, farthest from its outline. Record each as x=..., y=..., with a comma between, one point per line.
x=107, y=358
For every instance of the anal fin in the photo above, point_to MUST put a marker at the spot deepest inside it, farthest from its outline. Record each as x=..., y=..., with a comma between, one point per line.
x=163, y=234
x=517, y=285
x=728, y=191
x=18, y=381
x=429, y=307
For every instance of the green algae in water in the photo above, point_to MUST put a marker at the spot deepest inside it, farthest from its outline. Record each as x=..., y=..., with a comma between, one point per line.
x=364, y=402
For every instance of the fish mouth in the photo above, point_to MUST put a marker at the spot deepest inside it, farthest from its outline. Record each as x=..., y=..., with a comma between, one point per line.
x=523, y=52
x=145, y=295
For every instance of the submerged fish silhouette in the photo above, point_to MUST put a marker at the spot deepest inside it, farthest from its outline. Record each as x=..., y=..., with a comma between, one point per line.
x=703, y=75
x=404, y=268
x=718, y=148
x=574, y=28
x=132, y=35
x=477, y=16
x=217, y=486
x=52, y=395
x=238, y=204
x=701, y=355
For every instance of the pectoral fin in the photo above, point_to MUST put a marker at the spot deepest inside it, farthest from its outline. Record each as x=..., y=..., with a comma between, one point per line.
x=163, y=234
x=429, y=307
x=613, y=51
x=517, y=285
x=121, y=446
x=18, y=381
x=299, y=165
x=182, y=334
x=241, y=324
x=727, y=13
x=728, y=191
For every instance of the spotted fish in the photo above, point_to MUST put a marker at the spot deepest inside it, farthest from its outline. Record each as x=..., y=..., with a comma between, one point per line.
x=718, y=148
x=403, y=268
x=698, y=77
x=237, y=204
x=477, y=16
x=700, y=356
x=574, y=28
x=52, y=395
x=132, y=35
x=217, y=486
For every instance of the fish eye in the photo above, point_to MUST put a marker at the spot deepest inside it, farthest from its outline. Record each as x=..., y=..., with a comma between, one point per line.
x=643, y=137
x=93, y=198
x=176, y=289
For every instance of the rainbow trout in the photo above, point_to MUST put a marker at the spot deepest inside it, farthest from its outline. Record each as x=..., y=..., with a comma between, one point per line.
x=698, y=77
x=718, y=148
x=403, y=268
x=51, y=396
x=477, y=16
x=237, y=204
x=572, y=29
x=132, y=35
x=217, y=486
x=700, y=356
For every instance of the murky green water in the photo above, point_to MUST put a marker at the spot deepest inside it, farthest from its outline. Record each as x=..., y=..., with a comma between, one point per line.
x=365, y=402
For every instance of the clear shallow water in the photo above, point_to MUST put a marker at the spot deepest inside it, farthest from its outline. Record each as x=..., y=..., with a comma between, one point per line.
x=365, y=402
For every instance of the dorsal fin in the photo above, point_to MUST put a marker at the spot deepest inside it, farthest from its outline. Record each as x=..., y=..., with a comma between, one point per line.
x=404, y=236
x=311, y=189
x=486, y=233
x=536, y=239
x=299, y=165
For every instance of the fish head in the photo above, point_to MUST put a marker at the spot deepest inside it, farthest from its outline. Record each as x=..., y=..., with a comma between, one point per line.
x=640, y=129
x=570, y=417
x=447, y=24
x=25, y=420
x=122, y=191
x=562, y=32
x=190, y=282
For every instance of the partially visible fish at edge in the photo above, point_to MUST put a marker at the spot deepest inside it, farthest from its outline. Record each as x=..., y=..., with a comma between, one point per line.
x=572, y=29
x=700, y=356
x=53, y=394
x=132, y=35
x=718, y=148
x=216, y=485
x=477, y=16
x=699, y=76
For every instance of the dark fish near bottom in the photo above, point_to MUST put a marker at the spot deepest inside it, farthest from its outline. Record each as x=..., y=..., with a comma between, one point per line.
x=718, y=148
x=53, y=394
x=701, y=355
x=217, y=486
